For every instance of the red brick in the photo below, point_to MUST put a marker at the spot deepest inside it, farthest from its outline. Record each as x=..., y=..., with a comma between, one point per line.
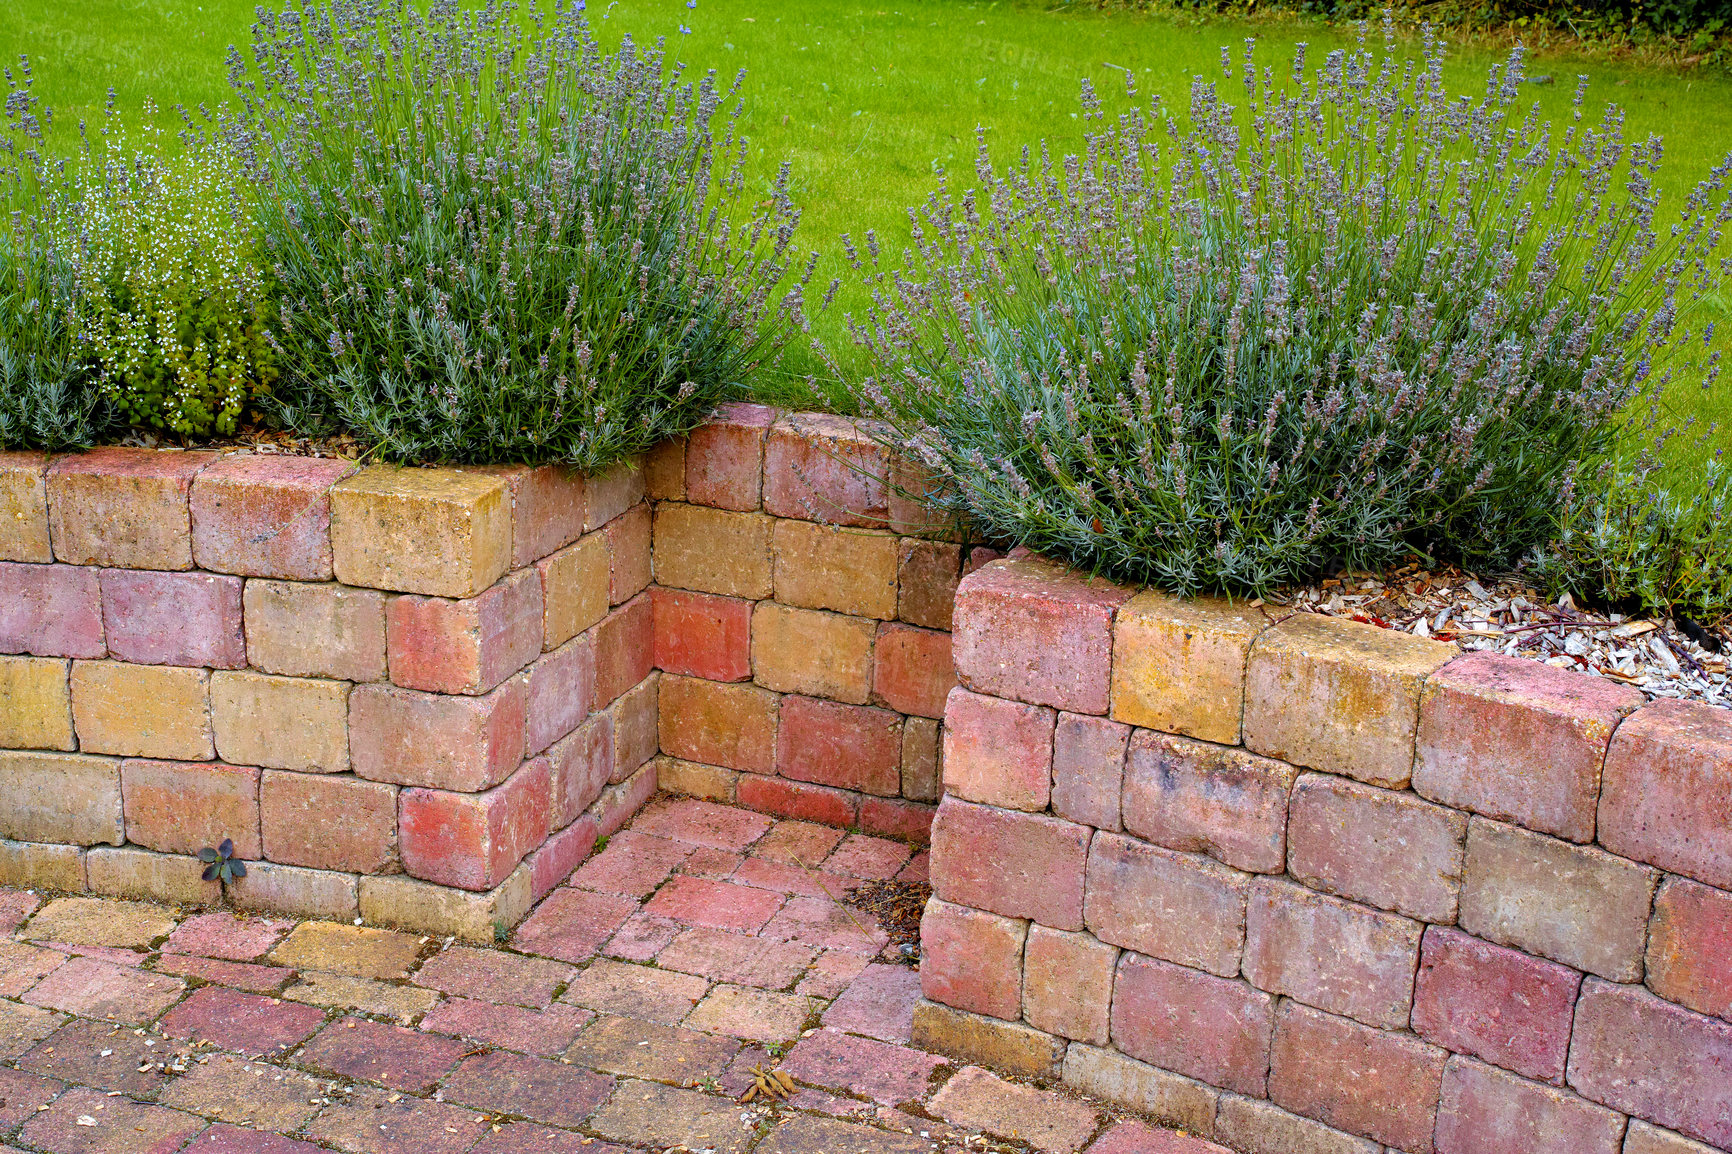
x=624, y=649
x=819, y=467
x=912, y=670
x=494, y=976
x=998, y=752
x=400, y=1058
x=634, y=864
x=544, y=1033
x=717, y=905
x=266, y=516
x=1487, y=1111
x=885, y=1073
x=315, y=630
x=1177, y=907
x=1355, y=1078
x=894, y=817
x=536, y=1088
x=635, y=715
x=1484, y=715
x=611, y=493
x=1021, y=865
x=1136, y=1138
x=1667, y=798
x=559, y=855
x=1067, y=984
x=225, y=1139
x=173, y=618
x=798, y=800
x=466, y=646
x=237, y=975
x=182, y=807
x=879, y=1003
x=1642, y=1056
x=1690, y=947
x=927, y=573
x=547, y=508
x=223, y=935
x=1214, y=1029
x=1034, y=632
x=1494, y=1003
x=24, y=507
x=579, y=766
x=1202, y=798
x=1331, y=954
x=972, y=960
x=702, y=823
x=475, y=840
x=559, y=692
x=920, y=765
x=725, y=458
x=703, y=635
x=117, y=1126
x=855, y=747
x=50, y=611
x=438, y=740
x=1386, y=849
x=246, y=1023
x=328, y=822
x=628, y=553
x=1088, y=769
x=124, y=507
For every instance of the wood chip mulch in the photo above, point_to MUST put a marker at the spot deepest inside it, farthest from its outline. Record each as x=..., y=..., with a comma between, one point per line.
x=897, y=906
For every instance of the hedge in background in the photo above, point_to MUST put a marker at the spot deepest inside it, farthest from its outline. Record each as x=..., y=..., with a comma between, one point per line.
x=494, y=241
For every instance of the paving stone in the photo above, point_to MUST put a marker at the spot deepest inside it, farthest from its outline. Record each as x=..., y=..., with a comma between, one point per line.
x=793, y=879
x=240, y=975
x=15, y=906
x=872, y=858
x=880, y=1004
x=343, y=992
x=359, y=950
x=95, y=989
x=100, y=922
x=633, y=863
x=246, y=1023
x=533, y=1088
x=22, y=966
x=21, y=1093
x=528, y=1138
x=223, y=935
x=742, y=959
x=981, y=1100
x=832, y=973
x=1136, y=1138
x=106, y=1056
x=572, y=924
x=805, y=1135
x=647, y=1112
x=21, y=1027
x=877, y=1070
x=111, y=954
x=391, y=1055
x=708, y=862
x=116, y=1126
x=494, y=976
x=540, y=1032
x=703, y=823
x=225, y=1139
x=255, y=1094
x=641, y=938
x=636, y=991
x=639, y=1049
x=371, y=1122
x=719, y=905
x=801, y=843
x=825, y=925
x=746, y=1012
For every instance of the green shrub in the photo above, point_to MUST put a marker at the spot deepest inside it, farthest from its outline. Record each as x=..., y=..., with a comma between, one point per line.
x=499, y=243
x=171, y=304
x=1356, y=318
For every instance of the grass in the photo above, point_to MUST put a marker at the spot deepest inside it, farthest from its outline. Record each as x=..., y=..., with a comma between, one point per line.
x=870, y=100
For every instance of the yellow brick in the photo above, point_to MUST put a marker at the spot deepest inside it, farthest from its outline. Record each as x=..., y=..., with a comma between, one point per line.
x=36, y=865
x=129, y=872
x=35, y=703
x=357, y=950
x=142, y=710
x=441, y=532
x=1179, y=665
x=24, y=507
x=824, y=567
x=1339, y=696
x=280, y=722
x=285, y=889
x=432, y=909
x=60, y=797
x=712, y=550
x=805, y=651
x=574, y=589
x=710, y=782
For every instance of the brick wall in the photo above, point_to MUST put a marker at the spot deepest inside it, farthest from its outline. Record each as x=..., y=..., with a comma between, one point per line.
x=1312, y=886
x=412, y=695
x=802, y=622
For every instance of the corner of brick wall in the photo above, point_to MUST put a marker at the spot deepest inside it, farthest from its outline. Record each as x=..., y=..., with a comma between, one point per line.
x=1302, y=883
x=413, y=695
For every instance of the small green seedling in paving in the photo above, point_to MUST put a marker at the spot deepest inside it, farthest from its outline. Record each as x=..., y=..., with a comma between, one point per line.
x=221, y=864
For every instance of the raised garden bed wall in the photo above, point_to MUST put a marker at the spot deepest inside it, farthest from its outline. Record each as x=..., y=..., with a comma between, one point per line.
x=416, y=696
x=802, y=622
x=1300, y=884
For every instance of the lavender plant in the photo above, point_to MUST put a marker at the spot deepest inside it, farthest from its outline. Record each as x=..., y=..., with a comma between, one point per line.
x=1351, y=318
x=495, y=241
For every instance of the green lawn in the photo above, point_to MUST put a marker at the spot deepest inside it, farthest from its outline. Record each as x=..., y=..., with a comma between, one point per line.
x=866, y=100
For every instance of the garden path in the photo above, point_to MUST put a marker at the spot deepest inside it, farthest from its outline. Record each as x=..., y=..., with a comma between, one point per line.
x=628, y=1012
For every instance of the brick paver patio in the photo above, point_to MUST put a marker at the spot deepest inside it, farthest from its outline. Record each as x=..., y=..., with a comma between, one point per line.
x=626, y=1013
